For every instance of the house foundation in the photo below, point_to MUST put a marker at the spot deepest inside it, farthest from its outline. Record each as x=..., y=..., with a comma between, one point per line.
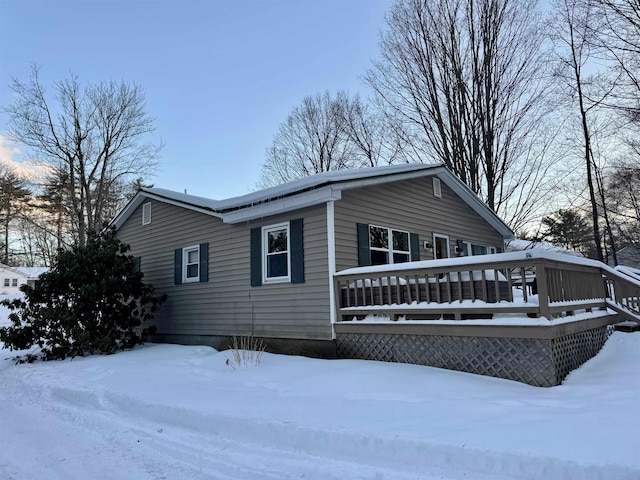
x=285, y=346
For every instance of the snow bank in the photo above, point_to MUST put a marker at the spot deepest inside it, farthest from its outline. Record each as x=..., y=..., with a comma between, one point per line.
x=167, y=411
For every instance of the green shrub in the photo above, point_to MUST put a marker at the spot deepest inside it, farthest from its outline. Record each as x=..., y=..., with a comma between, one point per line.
x=93, y=300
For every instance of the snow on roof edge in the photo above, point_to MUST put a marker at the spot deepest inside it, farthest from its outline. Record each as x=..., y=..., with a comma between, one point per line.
x=290, y=188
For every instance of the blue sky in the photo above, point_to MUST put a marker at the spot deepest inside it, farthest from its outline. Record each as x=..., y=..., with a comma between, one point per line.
x=219, y=76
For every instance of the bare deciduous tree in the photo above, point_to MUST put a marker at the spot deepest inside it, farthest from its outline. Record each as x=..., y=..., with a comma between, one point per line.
x=465, y=78
x=617, y=35
x=624, y=200
x=574, y=40
x=328, y=133
x=312, y=139
x=377, y=138
x=94, y=135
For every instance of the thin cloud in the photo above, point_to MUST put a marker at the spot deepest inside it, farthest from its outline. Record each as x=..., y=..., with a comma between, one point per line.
x=10, y=154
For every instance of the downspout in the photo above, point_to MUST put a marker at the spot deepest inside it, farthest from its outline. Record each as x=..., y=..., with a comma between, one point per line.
x=331, y=260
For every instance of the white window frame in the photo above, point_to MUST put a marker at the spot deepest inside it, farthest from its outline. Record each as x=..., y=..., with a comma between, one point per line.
x=7, y=282
x=185, y=264
x=14, y=282
x=390, y=250
x=146, y=213
x=468, y=248
x=445, y=237
x=266, y=254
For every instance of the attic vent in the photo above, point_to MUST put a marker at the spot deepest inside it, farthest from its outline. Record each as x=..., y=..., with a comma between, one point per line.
x=437, y=189
x=146, y=213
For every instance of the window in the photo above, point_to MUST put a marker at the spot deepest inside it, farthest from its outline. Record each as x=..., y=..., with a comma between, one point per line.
x=388, y=245
x=383, y=245
x=6, y=282
x=191, y=264
x=470, y=249
x=146, y=213
x=275, y=246
x=14, y=282
x=478, y=250
x=277, y=253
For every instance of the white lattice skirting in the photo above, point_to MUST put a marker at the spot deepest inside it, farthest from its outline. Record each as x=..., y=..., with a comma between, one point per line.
x=537, y=362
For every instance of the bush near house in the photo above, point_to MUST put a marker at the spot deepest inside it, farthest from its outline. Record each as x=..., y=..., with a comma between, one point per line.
x=93, y=300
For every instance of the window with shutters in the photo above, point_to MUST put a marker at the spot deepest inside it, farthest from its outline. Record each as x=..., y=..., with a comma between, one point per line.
x=388, y=245
x=277, y=253
x=146, y=213
x=191, y=264
x=275, y=245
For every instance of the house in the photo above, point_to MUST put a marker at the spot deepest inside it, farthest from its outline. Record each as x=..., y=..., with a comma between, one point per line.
x=629, y=256
x=12, y=278
x=263, y=263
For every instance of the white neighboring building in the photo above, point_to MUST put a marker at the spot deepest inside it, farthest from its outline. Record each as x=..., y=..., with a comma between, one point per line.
x=11, y=278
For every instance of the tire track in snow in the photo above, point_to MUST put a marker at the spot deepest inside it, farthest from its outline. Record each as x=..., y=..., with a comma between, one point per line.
x=295, y=446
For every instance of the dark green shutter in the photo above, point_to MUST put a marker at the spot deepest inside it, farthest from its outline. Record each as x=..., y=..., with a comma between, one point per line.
x=364, y=254
x=177, y=266
x=297, y=251
x=256, y=257
x=204, y=262
x=414, y=245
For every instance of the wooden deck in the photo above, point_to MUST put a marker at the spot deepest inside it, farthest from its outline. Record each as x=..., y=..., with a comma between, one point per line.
x=479, y=287
x=574, y=301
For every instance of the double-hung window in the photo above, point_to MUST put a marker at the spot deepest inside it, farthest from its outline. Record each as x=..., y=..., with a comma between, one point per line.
x=276, y=249
x=6, y=282
x=388, y=245
x=14, y=282
x=191, y=264
x=277, y=253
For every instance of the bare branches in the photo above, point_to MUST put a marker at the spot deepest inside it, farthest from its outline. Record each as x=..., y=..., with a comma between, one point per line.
x=328, y=133
x=464, y=77
x=93, y=137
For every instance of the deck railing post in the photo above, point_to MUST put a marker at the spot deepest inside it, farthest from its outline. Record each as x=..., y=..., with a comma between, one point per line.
x=337, y=292
x=543, y=290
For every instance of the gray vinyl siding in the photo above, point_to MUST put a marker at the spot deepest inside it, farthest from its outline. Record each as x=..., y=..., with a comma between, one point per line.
x=407, y=205
x=227, y=304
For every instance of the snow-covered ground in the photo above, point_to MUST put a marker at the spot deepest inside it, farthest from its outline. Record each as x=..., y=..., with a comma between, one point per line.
x=177, y=412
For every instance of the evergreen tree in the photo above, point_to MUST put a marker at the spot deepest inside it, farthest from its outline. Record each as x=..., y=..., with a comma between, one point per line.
x=93, y=300
x=567, y=229
x=14, y=197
